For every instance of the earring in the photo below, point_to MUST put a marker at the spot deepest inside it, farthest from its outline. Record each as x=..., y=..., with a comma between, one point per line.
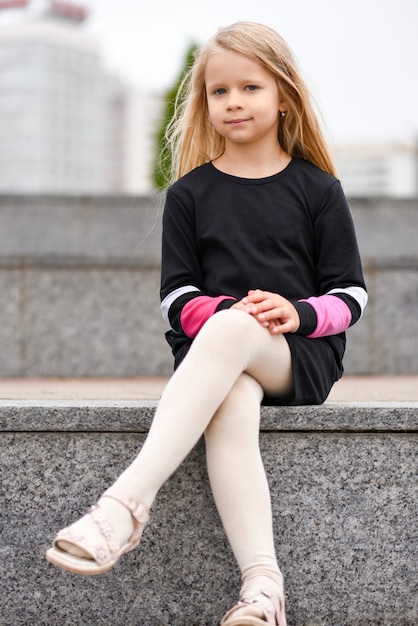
x=282, y=113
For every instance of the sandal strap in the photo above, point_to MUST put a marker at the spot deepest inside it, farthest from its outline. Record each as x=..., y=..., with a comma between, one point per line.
x=264, y=598
x=102, y=550
x=135, y=507
x=107, y=548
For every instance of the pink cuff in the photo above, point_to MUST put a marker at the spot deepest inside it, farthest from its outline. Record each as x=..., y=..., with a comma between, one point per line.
x=197, y=311
x=333, y=315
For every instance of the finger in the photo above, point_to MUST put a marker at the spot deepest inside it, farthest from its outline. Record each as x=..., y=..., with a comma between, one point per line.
x=255, y=295
x=279, y=328
x=284, y=326
x=269, y=313
x=239, y=306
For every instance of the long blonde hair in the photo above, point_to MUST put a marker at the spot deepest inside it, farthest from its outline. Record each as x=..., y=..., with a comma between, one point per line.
x=191, y=137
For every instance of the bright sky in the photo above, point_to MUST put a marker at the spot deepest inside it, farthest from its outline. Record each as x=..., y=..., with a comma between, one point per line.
x=359, y=56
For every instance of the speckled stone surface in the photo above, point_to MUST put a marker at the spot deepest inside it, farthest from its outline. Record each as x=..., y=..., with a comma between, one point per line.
x=136, y=416
x=94, y=320
x=344, y=492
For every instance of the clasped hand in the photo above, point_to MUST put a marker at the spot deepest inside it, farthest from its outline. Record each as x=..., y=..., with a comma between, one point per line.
x=271, y=310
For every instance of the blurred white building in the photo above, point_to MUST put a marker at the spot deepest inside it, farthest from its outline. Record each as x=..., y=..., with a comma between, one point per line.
x=383, y=169
x=66, y=125
x=143, y=115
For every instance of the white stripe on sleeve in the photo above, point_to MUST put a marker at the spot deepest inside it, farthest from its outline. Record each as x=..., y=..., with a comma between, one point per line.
x=168, y=300
x=357, y=293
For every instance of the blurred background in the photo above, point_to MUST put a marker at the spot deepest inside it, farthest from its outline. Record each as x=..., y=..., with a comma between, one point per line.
x=82, y=86
x=84, y=89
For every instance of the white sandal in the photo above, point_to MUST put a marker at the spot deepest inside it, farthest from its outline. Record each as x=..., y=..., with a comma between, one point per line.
x=258, y=608
x=105, y=552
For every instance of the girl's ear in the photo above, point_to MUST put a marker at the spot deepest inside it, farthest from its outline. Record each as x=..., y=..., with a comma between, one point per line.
x=282, y=107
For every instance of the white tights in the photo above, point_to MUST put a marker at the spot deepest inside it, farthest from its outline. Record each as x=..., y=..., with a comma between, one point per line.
x=217, y=391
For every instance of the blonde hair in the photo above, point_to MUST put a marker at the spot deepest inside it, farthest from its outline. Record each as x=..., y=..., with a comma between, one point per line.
x=191, y=137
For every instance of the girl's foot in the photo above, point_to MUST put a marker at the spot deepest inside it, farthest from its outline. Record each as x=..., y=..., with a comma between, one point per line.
x=95, y=542
x=257, y=607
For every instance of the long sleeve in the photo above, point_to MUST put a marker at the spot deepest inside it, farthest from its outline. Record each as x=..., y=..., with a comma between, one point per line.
x=185, y=304
x=342, y=293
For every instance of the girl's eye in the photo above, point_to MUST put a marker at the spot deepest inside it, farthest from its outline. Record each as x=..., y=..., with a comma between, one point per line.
x=251, y=87
x=220, y=91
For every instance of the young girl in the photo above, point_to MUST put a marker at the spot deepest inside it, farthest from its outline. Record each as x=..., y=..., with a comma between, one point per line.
x=261, y=276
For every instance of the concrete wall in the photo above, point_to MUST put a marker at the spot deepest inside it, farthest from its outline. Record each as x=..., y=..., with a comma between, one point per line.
x=343, y=485
x=79, y=285
x=385, y=341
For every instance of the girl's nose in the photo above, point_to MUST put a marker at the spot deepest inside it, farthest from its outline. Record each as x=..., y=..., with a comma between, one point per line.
x=234, y=101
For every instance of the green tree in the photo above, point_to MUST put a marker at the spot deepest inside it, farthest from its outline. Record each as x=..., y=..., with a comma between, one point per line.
x=162, y=164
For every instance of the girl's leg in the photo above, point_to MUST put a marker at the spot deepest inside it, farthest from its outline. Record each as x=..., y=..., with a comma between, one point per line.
x=237, y=476
x=242, y=496
x=230, y=343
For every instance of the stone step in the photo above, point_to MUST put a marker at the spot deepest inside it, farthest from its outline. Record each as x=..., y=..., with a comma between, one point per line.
x=344, y=485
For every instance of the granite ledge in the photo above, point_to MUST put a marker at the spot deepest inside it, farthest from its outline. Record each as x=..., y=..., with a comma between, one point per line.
x=136, y=416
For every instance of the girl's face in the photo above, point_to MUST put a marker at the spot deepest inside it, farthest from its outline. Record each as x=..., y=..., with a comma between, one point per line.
x=243, y=98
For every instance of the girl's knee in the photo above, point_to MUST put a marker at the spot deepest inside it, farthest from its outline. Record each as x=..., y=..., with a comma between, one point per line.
x=229, y=323
x=232, y=337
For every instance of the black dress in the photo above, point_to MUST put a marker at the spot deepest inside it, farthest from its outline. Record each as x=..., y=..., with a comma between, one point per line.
x=291, y=233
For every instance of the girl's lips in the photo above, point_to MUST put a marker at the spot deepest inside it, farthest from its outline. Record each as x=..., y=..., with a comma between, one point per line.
x=238, y=121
